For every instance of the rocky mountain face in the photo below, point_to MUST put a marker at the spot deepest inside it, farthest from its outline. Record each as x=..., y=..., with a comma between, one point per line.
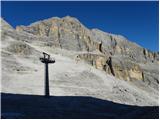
x=114, y=53
x=89, y=63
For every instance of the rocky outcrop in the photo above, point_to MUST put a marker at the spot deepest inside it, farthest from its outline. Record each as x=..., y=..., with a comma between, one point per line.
x=153, y=56
x=66, y=33
x=96, y=60
x=119, y=45
x=124, y=69
x=118, y=67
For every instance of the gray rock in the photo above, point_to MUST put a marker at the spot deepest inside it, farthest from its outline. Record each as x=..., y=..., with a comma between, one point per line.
x=115, y=55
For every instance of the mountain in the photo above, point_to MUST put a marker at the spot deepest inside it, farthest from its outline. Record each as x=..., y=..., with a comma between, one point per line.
x=68, y=33
x=89, y=62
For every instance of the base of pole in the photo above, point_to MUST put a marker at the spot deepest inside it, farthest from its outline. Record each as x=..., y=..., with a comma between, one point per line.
x=47, y=96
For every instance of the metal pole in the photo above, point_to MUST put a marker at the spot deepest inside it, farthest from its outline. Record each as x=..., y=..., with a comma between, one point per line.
x=46, y=80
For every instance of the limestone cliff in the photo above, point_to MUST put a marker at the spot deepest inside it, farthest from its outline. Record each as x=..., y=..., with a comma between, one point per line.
x=68, y=33
x=114, y=53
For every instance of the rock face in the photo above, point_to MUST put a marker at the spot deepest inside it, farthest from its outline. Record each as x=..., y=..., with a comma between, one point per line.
x=68, y=33
x=125, y=69
x=123, y=56
x=18, y=47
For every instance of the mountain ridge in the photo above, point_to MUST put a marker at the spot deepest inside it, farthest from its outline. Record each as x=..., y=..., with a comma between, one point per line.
x=75, y=19
x=122, y=58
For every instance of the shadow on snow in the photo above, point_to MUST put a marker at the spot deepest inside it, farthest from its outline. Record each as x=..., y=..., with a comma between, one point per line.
x=36, y=106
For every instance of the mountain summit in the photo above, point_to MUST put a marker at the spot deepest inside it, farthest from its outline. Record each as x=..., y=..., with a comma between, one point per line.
x=68, y=33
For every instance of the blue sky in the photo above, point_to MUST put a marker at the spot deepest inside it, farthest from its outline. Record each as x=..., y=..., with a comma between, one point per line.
x=138, y=21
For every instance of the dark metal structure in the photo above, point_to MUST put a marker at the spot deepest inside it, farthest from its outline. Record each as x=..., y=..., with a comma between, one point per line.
x=46, y=60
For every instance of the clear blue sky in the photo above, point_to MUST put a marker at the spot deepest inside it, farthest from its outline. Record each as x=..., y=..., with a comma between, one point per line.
x=138, y=21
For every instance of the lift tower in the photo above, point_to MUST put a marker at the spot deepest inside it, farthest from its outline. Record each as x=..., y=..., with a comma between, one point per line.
x=46, y=60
